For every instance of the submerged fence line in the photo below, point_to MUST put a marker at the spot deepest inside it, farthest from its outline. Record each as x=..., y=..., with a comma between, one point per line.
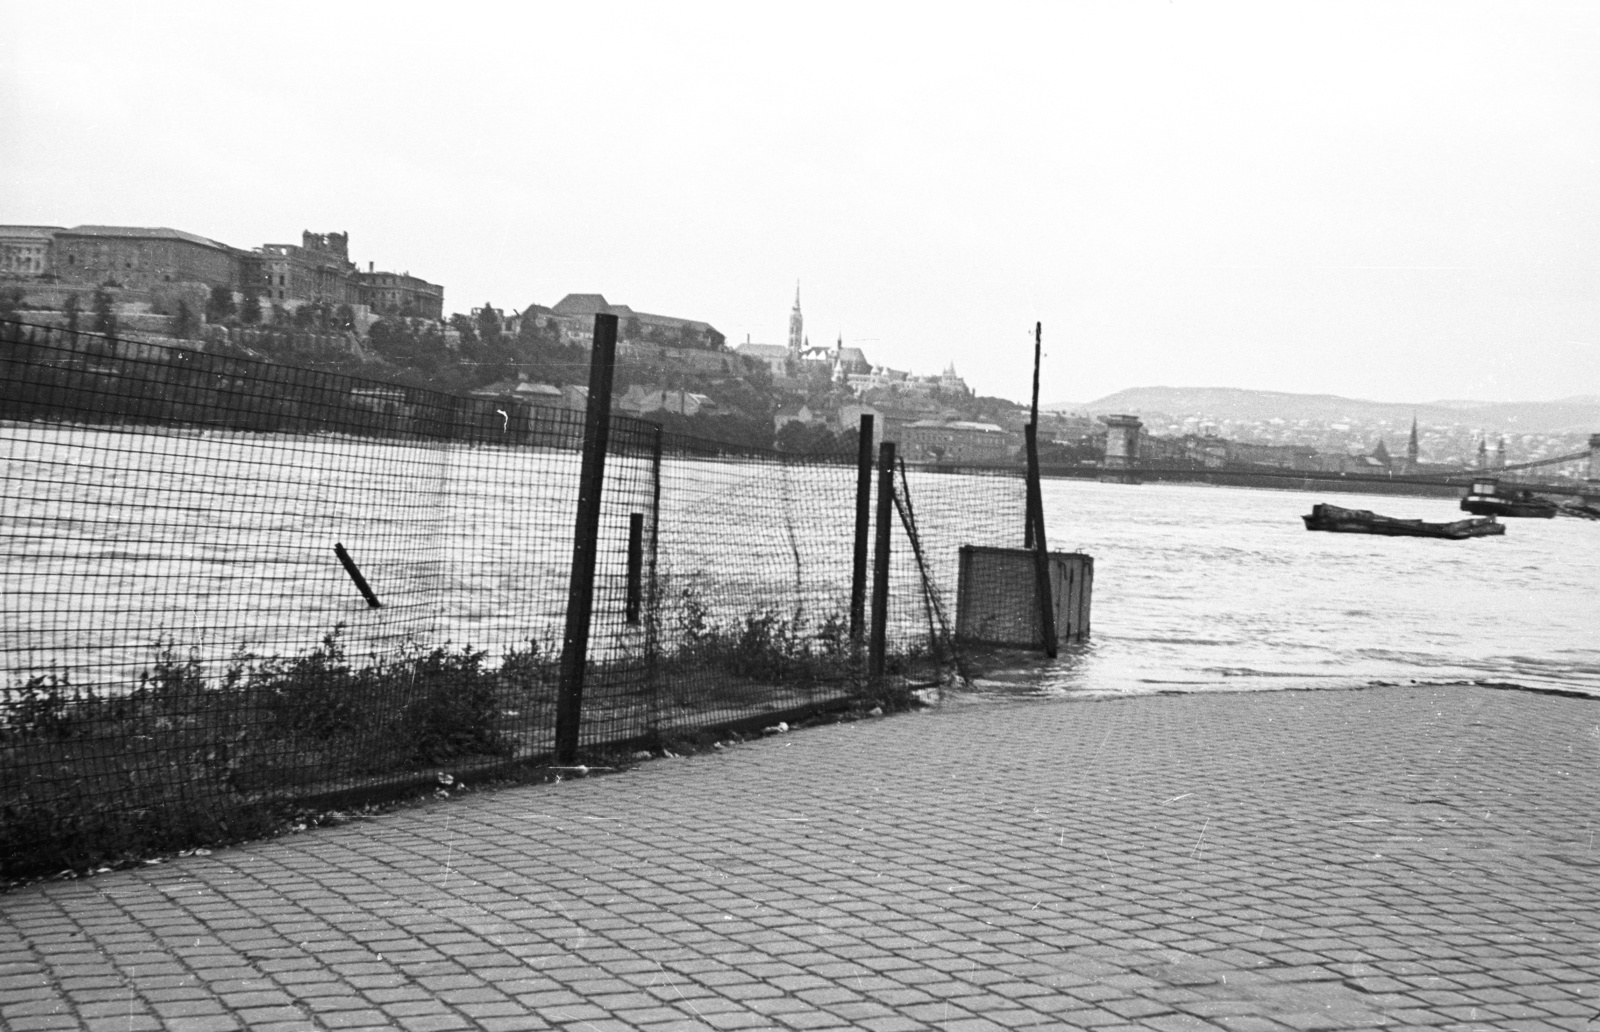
x=182, y=651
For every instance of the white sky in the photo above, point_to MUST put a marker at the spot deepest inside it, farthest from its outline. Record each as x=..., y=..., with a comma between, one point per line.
x=1390, y=201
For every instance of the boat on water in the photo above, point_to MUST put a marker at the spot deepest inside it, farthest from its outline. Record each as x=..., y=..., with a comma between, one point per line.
x=1360, y=521
x=1487, y=499
x=1580, y=510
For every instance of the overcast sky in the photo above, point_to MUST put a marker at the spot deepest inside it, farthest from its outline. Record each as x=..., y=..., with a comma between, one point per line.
x=1387, y=201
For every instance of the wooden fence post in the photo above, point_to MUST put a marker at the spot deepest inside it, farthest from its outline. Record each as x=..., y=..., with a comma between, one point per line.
x=585, y=537
x=880, y=562
x=858, y=575
x=1041, y=554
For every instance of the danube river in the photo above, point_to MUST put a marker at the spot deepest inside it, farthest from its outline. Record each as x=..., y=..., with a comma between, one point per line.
x=1202, y=588
x=117, y=542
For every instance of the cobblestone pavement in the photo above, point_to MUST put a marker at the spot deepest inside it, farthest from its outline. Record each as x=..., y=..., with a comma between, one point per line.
x=1289, y=860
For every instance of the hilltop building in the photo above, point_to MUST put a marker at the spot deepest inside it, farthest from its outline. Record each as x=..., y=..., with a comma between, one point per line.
x=143, y=260
x=839, y=363
x=320, y=269
x=140, y=259
x=798, y=358
x=25, y=251
x=950, y=381
x=575, y=313
x=844, y=367
x=776, y=357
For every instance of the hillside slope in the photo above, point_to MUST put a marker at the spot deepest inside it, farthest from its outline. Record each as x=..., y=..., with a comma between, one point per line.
x=1575, y=414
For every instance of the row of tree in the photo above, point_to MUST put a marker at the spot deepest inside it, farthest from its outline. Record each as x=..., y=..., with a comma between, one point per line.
x=321, y=316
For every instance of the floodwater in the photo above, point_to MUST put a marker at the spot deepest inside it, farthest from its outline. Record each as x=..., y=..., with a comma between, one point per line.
x=1201, y=588
x=117, y=543
x=113, y=539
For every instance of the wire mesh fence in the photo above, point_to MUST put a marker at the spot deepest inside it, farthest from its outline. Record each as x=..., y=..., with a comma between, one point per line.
x=182, y=652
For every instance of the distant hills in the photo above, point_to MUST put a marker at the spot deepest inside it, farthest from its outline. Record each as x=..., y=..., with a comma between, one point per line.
x=1568, y=415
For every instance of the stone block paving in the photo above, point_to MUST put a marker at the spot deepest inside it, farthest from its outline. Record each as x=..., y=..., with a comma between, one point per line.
x=1408, y=856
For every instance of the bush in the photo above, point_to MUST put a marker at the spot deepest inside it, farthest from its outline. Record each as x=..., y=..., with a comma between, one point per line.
x=450, y=706
x=763, y=646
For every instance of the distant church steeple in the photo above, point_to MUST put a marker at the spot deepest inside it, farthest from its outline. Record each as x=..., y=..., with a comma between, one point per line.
x=1483, y=453
x=1411, y=446
x=796, y=325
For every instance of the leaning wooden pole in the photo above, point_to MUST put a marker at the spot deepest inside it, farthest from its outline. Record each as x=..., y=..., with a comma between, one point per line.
x=858, y=573
x=1035, y=534
x=1033, y=418
x=877, y=646
x=355, y=575
x=1041, y=554
x=585, y=538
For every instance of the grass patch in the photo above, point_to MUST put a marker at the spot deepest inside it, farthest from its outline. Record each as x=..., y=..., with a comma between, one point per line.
x=88, y=777
x=91, y=778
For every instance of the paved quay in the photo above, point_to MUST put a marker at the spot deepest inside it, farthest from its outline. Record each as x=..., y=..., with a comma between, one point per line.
x=1405, y=856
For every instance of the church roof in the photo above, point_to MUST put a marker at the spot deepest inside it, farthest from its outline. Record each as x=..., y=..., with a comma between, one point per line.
x=763, y=350
x=577, y=305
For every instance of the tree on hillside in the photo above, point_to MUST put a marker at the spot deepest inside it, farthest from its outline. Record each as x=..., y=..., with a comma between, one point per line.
x=313, y=315
x=105, y=319
x=219, y=306
x=806, y=439
x=70, y=307
x=250, y=310
x=463, y=325
x=183, y=321
x=488, y=324
x=532, y=333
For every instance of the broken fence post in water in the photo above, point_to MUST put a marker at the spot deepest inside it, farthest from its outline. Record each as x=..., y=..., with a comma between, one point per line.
x=355, y=575
x=880, y=561
x=1041, y=554
x=635, y=566
x=585, y=537
x=858, y=574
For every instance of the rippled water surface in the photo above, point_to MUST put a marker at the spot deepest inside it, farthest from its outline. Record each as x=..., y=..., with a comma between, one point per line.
x=1203, y=588
x=113, y=540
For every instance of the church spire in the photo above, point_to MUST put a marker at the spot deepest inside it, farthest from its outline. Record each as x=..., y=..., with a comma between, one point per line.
x=796, y=324
x=1411, y=446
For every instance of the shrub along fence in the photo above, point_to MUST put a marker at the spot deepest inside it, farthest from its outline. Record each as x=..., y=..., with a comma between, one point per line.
x=232, y=586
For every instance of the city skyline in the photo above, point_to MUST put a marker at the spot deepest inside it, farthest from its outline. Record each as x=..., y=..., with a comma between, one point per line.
x=1386, y=202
